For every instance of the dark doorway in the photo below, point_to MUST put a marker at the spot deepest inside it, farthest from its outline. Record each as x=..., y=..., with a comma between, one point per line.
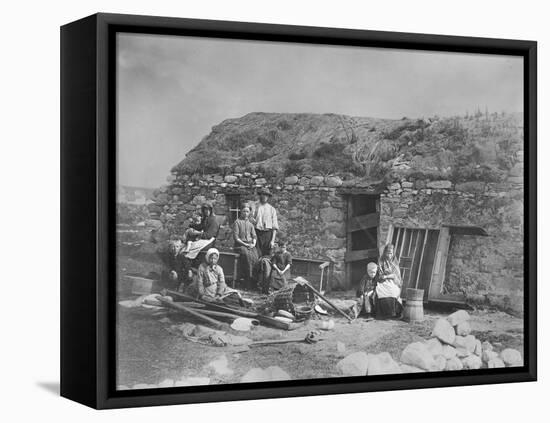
x=362, y=235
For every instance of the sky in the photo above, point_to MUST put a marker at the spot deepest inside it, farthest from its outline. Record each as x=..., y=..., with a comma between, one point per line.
x=171, y=90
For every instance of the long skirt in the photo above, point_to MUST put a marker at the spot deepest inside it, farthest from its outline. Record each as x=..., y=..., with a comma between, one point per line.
x=388, y=308
x=248, y=259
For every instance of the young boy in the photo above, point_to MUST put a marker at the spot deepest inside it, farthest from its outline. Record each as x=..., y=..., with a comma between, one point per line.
x=366, y=294
x=280, y=267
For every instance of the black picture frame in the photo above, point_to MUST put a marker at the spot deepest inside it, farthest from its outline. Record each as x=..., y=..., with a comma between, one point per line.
x=88, y=194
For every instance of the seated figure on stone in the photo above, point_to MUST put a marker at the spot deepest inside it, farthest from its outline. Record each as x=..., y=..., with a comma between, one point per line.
x=366, y=293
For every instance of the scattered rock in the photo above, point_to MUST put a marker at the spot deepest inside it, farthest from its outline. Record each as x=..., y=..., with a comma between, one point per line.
x=418, y=355
x=458, y=317
x=465, y=342
x=276, y=373
x=444, y=331
x=220, y=366
x=441, y=362
x=382, y=364
x=355, y=364
x=511, y=357
x=262, y=375
x=463, y=328
x=488, y=355
x=454, y=363
x=166, y=383
x=472, y=362
x=448, y=351
x=435, y=347
x=495, y=363
x=405, y=368
x=192, y=381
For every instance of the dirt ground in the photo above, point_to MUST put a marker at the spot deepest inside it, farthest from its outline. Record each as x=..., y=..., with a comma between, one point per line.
x=149, y=351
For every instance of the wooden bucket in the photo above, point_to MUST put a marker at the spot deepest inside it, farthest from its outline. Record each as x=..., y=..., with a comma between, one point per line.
x=414, y=308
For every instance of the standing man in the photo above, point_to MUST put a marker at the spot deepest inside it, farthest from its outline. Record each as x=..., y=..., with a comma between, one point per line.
x=265, y=223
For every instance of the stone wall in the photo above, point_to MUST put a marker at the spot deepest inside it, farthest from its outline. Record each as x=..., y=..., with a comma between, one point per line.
x=311, y=212
x=488, y=270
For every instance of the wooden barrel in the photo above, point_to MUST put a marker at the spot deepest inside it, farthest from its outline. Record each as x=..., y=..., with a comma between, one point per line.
x=414, y=308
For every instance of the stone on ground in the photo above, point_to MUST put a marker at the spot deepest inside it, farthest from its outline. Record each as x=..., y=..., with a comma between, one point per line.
x=220, y=366
x=463, y=328
x=255, y=375
x=495, y=363
x=355, y=364
x=166, y=383
x=418, y=355
x=454, y=363
x=341, y=349
x=511, y=357
x=466, y=342
x=382, y=364
x=488, y=356
x=471, y=362
x=441, y=362
x=276, y=373
x=405, y=368
x=435, y=347
x=458, y=317
x=448, y=351
x=192, y=381
x=444, y=331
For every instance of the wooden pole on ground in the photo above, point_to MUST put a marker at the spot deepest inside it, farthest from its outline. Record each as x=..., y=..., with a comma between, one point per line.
x=216, y=323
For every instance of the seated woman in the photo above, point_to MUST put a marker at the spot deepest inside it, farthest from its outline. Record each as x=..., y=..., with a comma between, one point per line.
x=210, y=284
x=244, y=236
x=388, y=289
x=207, y=233
x=280, y=267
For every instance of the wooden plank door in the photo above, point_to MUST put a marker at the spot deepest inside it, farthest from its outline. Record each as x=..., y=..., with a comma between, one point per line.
x=362, y=235
x=436, y=290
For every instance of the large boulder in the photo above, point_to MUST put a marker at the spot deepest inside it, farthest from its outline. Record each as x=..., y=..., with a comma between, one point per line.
x=511, y=357
x=448, y=351
x=465, y=342
x=441, y=362
x=382, y=364
x=405, y=368
x=458, y=317
x=463, y=328
x=454, y=363
x=487, y=356
x=276, y=373
x=255, y=375
x=444, y=331
x=495, y=363
x=418, y=355
x=355, y=364
x=472, y=362
x=435, y=347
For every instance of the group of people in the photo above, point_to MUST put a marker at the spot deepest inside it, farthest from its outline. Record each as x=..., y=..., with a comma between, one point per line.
x=265, y=263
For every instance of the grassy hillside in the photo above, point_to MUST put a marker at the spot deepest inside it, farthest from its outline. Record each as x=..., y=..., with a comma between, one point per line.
x=465, y=148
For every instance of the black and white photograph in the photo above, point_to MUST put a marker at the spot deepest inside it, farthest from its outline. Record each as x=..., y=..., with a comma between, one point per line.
x=292, y=211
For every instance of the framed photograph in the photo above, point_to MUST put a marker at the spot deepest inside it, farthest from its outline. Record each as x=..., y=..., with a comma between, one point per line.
x=257, y=211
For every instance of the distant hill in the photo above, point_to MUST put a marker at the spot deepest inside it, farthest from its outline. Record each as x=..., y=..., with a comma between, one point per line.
x=480, y=146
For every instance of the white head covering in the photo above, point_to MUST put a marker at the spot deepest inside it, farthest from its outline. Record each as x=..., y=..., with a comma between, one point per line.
x=212, y=251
